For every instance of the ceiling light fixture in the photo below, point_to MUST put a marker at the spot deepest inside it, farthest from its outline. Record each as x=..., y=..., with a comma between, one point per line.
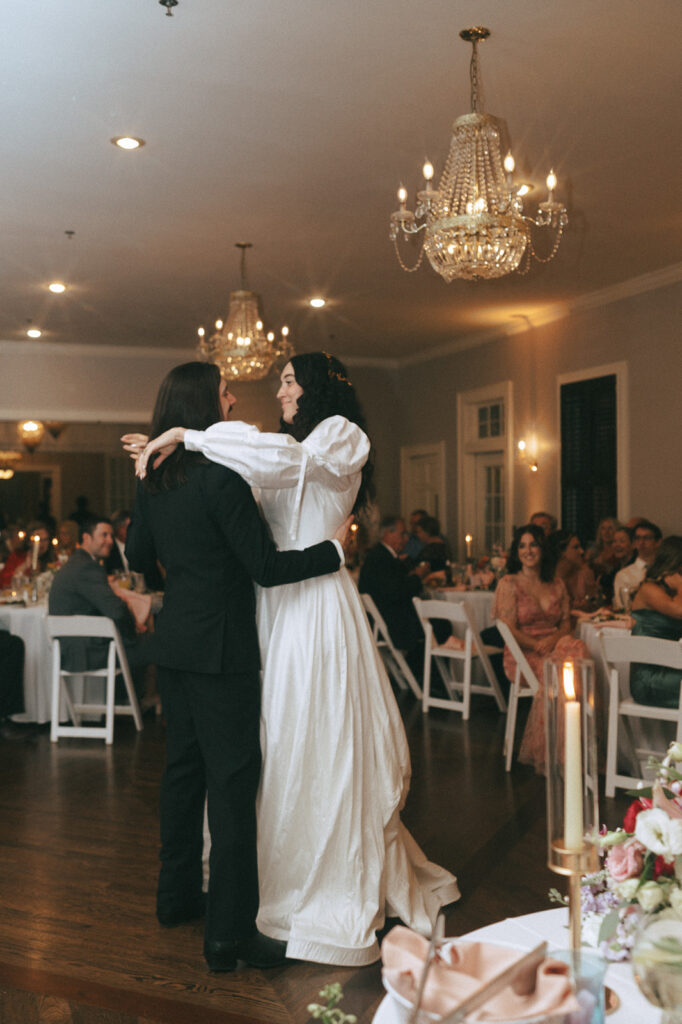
x=317, y=303
x=168, y=4
x=240, y=348
x=127, y=142
x=31, y=433
x=33, y=332
x=8, y=461
x=473, y=223
x=57, y=288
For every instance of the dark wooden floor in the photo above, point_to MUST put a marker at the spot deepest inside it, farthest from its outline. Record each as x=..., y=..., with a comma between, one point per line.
x=79, y=943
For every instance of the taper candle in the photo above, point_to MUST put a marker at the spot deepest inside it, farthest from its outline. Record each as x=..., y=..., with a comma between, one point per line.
x=573, y=771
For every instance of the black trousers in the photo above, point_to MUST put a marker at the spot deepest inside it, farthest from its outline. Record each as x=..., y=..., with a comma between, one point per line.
x=11, y=674
x=213, y=751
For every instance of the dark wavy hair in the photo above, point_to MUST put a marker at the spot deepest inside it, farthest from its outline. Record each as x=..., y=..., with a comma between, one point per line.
x=668, y=561
x=546, y=557
x=189, y=394
x=327, y=391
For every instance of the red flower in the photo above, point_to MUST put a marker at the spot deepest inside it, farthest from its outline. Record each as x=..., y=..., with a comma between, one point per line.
x=631, y=814
x=662, y=867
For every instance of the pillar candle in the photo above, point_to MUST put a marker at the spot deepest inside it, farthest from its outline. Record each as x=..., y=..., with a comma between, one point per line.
x=35, y=544
x=467, y=541
x=573, y=772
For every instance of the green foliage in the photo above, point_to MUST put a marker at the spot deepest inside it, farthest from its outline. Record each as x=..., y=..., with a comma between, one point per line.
x=331, y=1014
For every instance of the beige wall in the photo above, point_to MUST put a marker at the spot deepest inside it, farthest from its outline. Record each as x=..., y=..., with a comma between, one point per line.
x=415, y=404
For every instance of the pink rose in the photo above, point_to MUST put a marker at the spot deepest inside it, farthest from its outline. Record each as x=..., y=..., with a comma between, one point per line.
x=625, y=861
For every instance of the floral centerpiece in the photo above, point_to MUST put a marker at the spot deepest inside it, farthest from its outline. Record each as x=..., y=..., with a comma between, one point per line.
x=641, y=865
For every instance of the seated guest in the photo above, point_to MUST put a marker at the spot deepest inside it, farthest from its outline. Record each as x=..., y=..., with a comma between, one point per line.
x=646, y=540
x=414, y=544
x=600, y=556
x=45, y=555
x=14, y=554
x=67, y=539
x=392, y=585
x=546, y=521
x=116, y=561
x=435, y=552
x=536, y=608
x=81, y=588
x=577, y=576
x=624, y=553
x=657, y=611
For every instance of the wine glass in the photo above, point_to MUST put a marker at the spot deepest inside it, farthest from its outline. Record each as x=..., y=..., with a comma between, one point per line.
x=657, y=965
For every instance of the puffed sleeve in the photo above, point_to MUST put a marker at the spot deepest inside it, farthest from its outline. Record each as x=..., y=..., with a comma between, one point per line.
x=505, y=601
x=335, y=449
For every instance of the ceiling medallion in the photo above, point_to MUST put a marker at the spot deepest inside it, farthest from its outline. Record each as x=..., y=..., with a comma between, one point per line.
x=240, y=348
x=474, y=225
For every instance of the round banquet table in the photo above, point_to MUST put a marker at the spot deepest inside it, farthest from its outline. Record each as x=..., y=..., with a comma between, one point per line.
x=552, y=926
x=29, y=624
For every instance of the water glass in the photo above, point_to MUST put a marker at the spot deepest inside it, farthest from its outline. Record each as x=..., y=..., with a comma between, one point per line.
x=587, y=973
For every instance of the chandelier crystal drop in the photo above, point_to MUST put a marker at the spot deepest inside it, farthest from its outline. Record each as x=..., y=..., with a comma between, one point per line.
x=474, y=225
x=240, y=348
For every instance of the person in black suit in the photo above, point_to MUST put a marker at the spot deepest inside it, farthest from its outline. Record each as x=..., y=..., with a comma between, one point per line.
x=392, y=584
x=201, y=522
x=81, y=587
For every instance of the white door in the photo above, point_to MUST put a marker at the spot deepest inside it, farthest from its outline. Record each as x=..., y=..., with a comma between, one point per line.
x=422, y=479
x=490, y=502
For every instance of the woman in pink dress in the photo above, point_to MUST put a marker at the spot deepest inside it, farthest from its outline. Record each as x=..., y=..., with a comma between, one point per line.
x=536, y=607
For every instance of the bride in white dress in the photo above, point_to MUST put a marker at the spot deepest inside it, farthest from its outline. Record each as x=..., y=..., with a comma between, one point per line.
x=333, y=855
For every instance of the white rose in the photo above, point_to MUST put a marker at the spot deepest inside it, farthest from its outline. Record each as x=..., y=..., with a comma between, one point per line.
x=626, y=890
x=675, y=752
x=650, y=895
x=659, y=833
x=675, y=899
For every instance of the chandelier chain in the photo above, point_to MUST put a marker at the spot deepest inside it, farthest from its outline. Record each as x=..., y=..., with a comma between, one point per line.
x=473, y=73
x=403, y=265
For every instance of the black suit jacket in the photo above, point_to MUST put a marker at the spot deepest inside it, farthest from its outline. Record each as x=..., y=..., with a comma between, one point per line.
x=388, y=582
x=81, y=588
x=212, y=542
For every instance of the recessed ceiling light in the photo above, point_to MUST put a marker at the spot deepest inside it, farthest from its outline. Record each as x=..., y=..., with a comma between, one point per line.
x=127, y=142
x=33, y=332
x=317, y=303
x=57, y=287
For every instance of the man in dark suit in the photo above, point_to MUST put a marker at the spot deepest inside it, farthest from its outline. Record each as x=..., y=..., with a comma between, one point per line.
x=201, y=522
x=81, y=588
x=392, y=584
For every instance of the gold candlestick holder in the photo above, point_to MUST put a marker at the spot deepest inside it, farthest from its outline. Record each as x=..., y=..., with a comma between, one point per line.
x=572, y=777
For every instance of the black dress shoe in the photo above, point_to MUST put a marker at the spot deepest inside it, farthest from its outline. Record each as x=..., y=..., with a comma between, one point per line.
x=171, y=917
x=257, y=951
x=17, y=733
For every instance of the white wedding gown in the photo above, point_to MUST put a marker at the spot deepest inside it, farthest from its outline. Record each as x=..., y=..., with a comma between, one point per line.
x=333, y=855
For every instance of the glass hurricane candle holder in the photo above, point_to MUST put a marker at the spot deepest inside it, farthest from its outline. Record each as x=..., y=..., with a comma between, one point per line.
x=572, y=778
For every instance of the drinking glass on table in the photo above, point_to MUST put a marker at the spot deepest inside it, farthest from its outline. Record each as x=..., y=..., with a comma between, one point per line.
x=626, y=593
x=657, y=966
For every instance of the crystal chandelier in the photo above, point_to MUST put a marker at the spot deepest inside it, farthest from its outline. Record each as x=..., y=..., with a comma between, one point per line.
x=8, y=461
x=474, y=225
x=240, y=348
x=31, y=433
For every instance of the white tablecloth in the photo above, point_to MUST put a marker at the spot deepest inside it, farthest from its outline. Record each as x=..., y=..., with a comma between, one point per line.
x=552, y=926
x=29, y=624
x=479, y=602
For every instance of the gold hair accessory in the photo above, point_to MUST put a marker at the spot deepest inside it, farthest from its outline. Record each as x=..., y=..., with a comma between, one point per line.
x=334, y=373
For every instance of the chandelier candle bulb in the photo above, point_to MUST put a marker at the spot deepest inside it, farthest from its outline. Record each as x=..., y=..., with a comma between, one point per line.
x=573, y=774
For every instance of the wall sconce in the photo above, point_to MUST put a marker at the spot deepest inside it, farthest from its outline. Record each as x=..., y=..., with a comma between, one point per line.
x=31, y=433
x=527, y=450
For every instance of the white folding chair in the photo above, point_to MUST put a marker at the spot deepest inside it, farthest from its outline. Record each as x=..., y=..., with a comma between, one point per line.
x=445, y=658
x=619, y=652
x=393, y=659
x=84, y=626
x=524, y=684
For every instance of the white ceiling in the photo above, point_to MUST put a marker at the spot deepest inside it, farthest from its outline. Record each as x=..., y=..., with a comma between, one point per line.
x=290, y=124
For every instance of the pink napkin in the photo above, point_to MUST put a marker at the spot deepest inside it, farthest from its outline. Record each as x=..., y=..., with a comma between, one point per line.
x=140, y=605
x=461, y=968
